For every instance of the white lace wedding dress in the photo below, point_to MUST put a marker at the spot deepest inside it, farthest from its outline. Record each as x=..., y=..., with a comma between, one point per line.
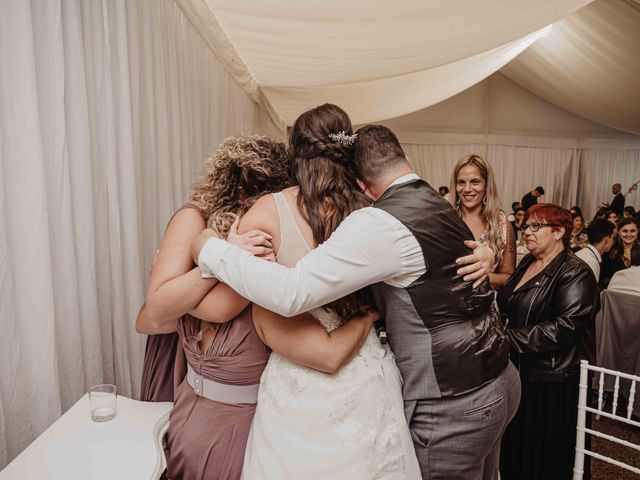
x=311, y=425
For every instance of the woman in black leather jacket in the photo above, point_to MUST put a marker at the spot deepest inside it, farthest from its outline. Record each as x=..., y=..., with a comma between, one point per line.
x=549, y=307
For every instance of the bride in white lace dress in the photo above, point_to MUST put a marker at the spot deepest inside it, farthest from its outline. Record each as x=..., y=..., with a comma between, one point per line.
x=309, y=424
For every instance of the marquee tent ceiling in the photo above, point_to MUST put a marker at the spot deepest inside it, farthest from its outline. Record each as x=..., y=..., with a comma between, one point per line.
x=381, y=59
x=589, y=64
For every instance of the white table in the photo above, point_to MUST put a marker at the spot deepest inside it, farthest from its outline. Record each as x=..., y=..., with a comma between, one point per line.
x=74, y=447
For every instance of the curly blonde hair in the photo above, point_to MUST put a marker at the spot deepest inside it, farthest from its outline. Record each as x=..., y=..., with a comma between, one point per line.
x=240, y=171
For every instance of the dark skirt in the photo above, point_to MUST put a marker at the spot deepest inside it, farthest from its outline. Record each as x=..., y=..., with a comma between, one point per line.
x=539, y=443
x=164, y=367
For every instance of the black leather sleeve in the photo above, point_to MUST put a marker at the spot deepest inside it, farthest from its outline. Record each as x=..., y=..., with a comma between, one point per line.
x=572, y=309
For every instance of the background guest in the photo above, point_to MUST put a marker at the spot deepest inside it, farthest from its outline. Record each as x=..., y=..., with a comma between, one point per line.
x=549, y=305
x=619, y=257
x=601, y=235
x=531, y=198
x=579, y=236
x=476, y=200
x=612, y=216
x=443, y=191
x=576, y=210
x=628, y=280
x=629, y=211
x=617, y=204
x=518, y=221
x=514, y=206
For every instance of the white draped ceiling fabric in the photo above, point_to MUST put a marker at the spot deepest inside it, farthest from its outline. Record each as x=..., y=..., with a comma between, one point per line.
x=107, y=111
x=589, y=64
x=378, y=59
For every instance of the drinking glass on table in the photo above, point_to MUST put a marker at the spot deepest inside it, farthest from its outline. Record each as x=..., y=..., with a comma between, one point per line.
x=102, y=402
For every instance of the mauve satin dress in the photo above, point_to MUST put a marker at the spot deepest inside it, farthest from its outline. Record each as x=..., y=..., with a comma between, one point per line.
x=206, y=438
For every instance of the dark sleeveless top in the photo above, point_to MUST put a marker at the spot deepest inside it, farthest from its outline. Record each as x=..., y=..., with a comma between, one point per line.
x=164, y=365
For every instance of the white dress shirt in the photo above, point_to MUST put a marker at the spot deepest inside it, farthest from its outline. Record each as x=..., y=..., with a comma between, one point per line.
x=626, y=281
x=369, y=246
x=591, y=257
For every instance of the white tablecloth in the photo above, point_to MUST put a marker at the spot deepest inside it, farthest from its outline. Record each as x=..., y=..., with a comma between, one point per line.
x=74, y=447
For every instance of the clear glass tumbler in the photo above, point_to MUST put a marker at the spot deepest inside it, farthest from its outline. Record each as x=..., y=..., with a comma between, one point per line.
x=103, y=402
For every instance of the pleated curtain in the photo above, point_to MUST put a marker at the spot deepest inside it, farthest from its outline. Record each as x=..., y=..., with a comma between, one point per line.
x=570, y=175
x=107, y=110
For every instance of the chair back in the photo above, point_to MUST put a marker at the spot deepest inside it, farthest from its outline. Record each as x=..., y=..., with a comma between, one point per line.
x=624, y=416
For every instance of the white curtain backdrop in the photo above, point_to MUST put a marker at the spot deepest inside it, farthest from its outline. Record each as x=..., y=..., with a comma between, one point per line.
x=434, y=162
x=107, y=109
x=519, y=169
x=600, y=168
x=570, y=175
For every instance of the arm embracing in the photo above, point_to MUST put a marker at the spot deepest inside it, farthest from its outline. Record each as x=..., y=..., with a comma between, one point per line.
x=303, y=340
x=176, y=285
x=360, y=252
x=573, y=308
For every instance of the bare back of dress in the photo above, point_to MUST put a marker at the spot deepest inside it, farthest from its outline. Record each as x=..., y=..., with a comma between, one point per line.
x=293, y=246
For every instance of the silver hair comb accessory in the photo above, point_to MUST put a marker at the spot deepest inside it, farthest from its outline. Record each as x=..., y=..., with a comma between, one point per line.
x=343, y=138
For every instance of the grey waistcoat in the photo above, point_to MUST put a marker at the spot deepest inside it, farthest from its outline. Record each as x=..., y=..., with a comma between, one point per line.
x=446, y=336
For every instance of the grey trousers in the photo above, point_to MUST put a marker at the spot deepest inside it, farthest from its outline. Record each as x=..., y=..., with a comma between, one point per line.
x=459, y=437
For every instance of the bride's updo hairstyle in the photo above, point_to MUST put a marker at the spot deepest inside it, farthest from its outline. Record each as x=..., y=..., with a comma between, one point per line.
x=321, y=149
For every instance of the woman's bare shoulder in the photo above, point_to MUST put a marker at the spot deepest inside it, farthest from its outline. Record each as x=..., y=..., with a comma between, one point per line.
x=263, y=215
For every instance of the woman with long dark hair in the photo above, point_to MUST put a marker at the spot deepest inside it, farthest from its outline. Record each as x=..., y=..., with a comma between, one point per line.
x=619, y=257
x=309, y=424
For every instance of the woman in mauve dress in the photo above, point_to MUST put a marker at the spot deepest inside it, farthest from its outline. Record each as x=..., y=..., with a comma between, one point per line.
x=216, y=400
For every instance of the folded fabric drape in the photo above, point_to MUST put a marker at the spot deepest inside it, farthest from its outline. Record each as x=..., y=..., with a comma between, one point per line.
x=588, y=64
x=377, y=59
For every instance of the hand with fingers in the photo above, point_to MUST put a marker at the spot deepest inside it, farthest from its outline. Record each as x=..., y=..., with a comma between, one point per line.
x=256, y=242
x=478, y=265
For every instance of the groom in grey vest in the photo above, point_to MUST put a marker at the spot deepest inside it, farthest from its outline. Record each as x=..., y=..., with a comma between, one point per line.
x=460, y=389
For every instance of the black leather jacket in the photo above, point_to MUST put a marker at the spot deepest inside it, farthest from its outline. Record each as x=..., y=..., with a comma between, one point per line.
x=550, y=319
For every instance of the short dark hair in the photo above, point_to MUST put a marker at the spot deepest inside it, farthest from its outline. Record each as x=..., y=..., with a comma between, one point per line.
x=540, y=189
x=635, y=256
x=629, y=209
x=376, y=148
x=514, y=205
x=551, y=213
x=599, y=229
x=444, y=189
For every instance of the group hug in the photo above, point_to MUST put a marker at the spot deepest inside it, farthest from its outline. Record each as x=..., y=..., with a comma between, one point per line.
x=317, y=310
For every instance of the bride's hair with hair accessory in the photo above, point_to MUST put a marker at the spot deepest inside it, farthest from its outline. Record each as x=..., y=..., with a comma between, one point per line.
x=240, y=171
x=326, y=174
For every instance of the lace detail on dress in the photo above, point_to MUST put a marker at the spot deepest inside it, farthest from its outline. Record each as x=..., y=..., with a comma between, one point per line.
x=344, y=400
x=350, y=424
